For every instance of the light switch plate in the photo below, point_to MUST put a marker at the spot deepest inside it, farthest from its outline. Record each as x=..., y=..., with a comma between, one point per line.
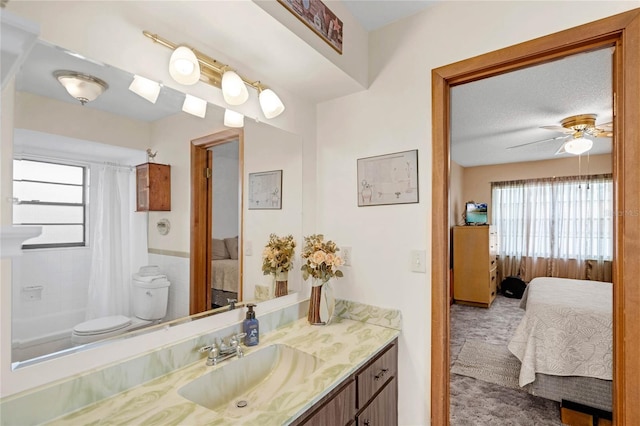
x=419, y=261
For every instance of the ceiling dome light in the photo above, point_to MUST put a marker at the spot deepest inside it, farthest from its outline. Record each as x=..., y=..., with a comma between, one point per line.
x=184, y=66
x=195, y=106
x=82, y=87
x=270, y=103
x=578, y=146
x=233, y=119
x=146, y=88
x=234, y=90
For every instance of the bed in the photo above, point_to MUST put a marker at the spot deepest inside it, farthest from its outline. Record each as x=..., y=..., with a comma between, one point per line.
x=225, y=272
x=224, y=281
x=565, y=340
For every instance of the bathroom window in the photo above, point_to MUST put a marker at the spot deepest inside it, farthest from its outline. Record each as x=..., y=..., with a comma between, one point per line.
x=53, y=196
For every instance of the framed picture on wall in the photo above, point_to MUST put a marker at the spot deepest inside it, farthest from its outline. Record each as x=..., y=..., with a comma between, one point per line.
x=265, y=190
x=388, y=179
x=317, y=16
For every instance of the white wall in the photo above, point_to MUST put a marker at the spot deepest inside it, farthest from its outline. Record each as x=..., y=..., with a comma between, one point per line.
x=226, y=203
x=395, y=115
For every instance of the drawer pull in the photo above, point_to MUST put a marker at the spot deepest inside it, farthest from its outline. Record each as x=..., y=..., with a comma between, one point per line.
x=366, y=422
x=380, y=375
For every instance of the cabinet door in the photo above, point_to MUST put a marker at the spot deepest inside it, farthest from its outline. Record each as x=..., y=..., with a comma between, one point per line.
x=339, y=410
x=383, y=409
x=142, y=188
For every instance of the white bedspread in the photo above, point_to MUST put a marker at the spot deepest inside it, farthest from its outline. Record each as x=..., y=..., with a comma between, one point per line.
x=224, y=275
x=566, y=330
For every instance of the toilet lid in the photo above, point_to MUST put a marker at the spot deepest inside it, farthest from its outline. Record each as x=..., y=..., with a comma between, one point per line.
x=102, y=325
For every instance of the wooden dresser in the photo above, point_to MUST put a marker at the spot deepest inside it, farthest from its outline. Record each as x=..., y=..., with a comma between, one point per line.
x=475, y=273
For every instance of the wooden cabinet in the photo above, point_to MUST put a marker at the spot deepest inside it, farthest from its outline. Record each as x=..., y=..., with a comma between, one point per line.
x=368, y=397
x=475, y=272
x=153, y=187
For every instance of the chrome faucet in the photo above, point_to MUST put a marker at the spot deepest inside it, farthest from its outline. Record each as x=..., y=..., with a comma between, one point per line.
x=232, y=303
x=220, y=350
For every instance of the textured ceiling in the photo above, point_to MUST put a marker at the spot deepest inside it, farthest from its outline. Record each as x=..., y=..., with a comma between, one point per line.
x=490, y=115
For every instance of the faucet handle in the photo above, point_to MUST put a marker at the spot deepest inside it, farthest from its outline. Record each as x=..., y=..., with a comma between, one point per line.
x=236, y=339
x=206, y=348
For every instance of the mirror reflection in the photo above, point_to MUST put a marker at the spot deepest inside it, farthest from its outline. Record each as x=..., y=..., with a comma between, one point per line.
x=99, y=256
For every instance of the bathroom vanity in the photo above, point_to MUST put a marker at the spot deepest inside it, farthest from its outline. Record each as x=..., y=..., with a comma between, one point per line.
x=346, y=374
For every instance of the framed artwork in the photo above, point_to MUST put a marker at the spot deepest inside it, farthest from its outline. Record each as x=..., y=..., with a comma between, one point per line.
x=317, y=16
x=265, y=190
x=388, y=179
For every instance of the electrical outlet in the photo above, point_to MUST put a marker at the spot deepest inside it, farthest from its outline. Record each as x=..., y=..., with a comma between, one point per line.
x=248, y=248
x=346, y=255
x=419, y=261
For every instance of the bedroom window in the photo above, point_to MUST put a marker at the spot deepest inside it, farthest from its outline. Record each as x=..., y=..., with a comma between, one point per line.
x=52, y=196
x=557, y=218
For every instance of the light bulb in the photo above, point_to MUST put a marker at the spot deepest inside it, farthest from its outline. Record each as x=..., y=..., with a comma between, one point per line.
x=145, y=88
x=234, y=90
x=270, y=103
x=578, y=146
x=233, y=119
x=195, y=106
x=184, y=67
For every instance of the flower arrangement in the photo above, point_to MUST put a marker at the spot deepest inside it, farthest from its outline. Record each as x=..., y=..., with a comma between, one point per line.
x=277, y=255
x=322, y=262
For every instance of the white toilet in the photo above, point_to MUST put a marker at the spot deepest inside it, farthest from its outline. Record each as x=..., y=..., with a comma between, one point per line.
x=150, y=296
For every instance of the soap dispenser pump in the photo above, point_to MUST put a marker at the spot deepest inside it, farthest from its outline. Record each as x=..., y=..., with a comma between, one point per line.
x=251, y=327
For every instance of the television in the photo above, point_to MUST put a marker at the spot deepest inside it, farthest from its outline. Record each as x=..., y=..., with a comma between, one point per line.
x=475, y=213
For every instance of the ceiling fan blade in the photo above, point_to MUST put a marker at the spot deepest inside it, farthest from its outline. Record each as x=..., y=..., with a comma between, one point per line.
x=561, y=150
x=558, y=129
x=601, y=133
x=543, y=140
x=608, y=125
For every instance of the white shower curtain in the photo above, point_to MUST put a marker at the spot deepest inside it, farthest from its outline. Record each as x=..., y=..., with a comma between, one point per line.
x=110, y=276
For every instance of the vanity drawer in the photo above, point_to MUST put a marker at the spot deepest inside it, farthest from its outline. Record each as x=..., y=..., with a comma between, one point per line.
x=377, y=374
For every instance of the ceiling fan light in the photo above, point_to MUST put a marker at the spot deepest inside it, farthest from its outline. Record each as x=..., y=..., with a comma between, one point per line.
x=195, y=106
x=234, y=90
x=233, y=119
x=578, y=146
x=85, y=88
x=270, y=103
x=184, y=67
x=145, y=88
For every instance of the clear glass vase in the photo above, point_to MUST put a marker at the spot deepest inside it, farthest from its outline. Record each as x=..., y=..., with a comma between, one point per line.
x=321, y=303
x=281, y=284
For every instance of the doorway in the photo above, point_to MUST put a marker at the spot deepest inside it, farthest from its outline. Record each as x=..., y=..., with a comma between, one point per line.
x=201, y=217
x=623, y=32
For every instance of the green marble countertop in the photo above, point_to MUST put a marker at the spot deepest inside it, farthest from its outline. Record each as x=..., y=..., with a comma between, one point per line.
x=344, y=346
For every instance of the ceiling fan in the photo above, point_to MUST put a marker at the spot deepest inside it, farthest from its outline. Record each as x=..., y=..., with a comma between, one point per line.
x=575, y=129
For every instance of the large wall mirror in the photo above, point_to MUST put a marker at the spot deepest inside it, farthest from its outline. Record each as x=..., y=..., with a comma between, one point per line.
x=55, y=288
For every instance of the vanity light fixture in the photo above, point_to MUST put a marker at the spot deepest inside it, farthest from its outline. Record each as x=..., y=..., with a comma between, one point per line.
x=577, y=146
x=210, y=71
x=146, y=88
x=234, y=90
x=233, y=119
x=83, y=87
x=195, y=106
x=184, y=66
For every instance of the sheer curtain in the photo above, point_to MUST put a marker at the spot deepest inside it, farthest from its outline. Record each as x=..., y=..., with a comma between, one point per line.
x=110, y=276
x=558, y=227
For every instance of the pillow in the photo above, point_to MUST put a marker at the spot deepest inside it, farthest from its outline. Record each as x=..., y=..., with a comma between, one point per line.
x=232, y=246
x=219, y=250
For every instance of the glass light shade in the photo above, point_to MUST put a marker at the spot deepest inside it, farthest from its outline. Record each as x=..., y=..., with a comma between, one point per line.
x=195, y=106
x=234, y=90
x=184, y=67
x=233, y=119
x=146, y=88
x=84, y=88
x=578, y=146
x=270, y=103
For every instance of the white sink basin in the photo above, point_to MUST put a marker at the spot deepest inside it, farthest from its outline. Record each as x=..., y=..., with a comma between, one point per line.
x=243, y=385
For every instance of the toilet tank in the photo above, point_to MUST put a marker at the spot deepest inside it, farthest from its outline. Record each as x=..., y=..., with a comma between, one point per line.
x=150, y=296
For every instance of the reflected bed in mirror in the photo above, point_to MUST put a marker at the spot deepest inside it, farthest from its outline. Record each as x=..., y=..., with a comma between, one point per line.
x=52, y=286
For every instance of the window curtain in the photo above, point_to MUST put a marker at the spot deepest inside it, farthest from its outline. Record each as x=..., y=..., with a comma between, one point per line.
x=555, y=227
x=110, y=275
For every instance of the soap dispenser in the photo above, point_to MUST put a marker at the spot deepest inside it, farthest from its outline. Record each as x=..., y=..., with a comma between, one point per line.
x=251, y=327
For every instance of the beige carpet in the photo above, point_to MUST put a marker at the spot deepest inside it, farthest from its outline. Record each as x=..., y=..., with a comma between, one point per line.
x=488, y=362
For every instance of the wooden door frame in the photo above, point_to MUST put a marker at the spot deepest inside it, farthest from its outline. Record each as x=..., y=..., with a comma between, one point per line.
x=201, y=217
x=623, y=32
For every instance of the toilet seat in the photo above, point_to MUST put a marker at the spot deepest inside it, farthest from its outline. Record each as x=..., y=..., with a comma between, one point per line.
x=102, y=325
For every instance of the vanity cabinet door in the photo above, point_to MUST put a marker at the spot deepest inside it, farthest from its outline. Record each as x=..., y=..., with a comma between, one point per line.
x=383, y=409
x=336, y=409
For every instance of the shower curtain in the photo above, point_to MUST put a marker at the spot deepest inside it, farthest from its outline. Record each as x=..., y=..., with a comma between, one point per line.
x=110, y=276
